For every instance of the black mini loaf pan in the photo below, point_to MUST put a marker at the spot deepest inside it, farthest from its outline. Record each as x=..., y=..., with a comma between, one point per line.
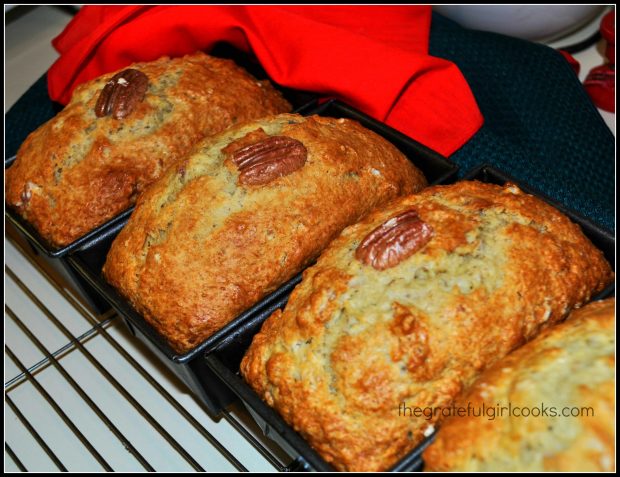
x=300, y=100
x=224, y=360
x=190, y=366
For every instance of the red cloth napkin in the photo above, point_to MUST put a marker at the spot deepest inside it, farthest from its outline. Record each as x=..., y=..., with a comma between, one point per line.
x=372, y=57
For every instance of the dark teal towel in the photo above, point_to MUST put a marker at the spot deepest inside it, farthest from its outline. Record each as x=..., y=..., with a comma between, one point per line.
x=540, y=126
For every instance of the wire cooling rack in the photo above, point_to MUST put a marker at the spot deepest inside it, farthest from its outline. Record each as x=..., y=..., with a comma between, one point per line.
x=81, y=394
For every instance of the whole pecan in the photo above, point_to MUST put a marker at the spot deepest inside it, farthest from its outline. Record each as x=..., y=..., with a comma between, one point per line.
x=395, y=240
x=121, y=94
x=265, y=161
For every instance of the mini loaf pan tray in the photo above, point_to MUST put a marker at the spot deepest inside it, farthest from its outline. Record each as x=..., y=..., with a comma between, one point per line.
x=300, y=100
x=190, y=366
x=225, y=359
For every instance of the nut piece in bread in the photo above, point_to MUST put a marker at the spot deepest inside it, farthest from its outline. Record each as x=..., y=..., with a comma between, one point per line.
x=205, y=243
x=561, y=391
x=357, y=346
x=120, y=132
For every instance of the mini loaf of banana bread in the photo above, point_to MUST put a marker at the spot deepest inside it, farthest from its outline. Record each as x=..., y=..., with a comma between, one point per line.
x=558, y=398
x=245, y=212
x=404, y=309
x=120, y=132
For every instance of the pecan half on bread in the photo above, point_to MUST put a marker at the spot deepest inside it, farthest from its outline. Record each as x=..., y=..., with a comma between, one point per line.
x=264, y=161
x=120, y=96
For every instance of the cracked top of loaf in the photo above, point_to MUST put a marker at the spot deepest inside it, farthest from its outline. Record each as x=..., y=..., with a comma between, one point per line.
x=362, y=341
x=79, y=169
x=563, y=384
x=245, y=212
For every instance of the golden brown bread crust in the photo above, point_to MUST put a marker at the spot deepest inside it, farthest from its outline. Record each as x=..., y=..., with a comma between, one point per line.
x=569, y=368
x=354, y=343
x=200, y=248
x=77, y=170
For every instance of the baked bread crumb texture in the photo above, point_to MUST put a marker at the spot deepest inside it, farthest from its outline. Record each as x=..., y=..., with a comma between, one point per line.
x=357, y=343
x=246, y=211
x=565, y=380
x=91, y=161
